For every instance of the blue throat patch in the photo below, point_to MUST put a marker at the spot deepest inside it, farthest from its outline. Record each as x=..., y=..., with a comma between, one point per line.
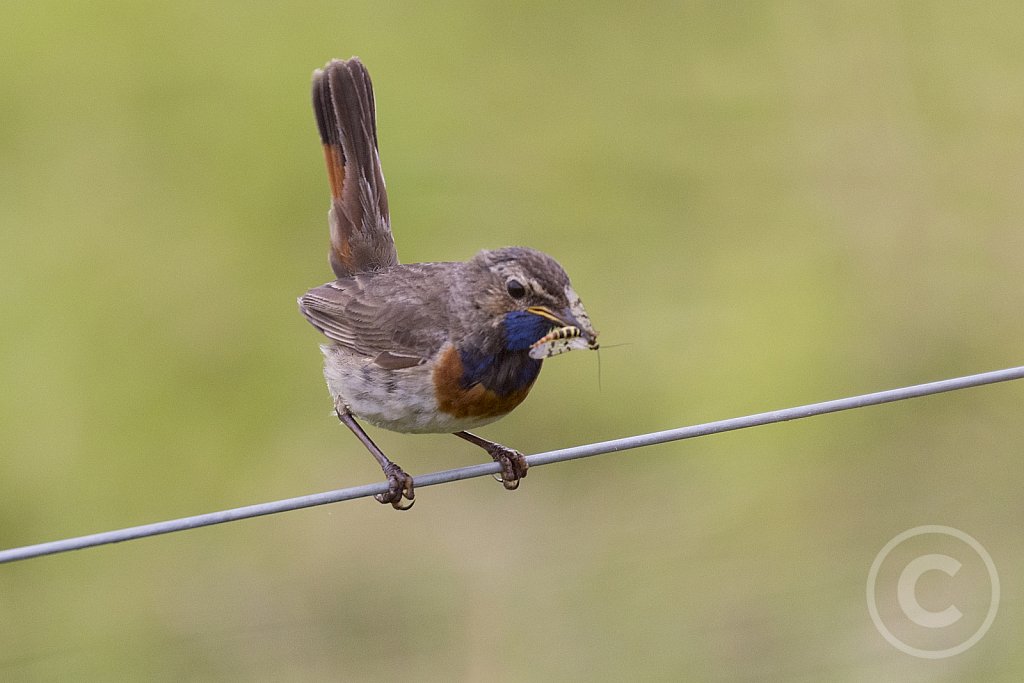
x=522, y=329
x=504, y=373
x=511, y=368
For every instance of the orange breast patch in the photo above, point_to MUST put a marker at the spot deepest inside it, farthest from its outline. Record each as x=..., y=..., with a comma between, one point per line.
x=476, y=400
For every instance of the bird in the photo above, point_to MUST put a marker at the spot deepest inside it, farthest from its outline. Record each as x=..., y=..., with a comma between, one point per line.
x=442, y=347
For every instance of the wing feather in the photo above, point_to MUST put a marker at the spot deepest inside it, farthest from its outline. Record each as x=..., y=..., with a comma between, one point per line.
x=399, y=317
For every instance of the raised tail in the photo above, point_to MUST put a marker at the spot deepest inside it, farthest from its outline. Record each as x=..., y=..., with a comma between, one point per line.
x=345, y=115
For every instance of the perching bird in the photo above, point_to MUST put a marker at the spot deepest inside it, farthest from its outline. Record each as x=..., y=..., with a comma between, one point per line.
x=423, y=347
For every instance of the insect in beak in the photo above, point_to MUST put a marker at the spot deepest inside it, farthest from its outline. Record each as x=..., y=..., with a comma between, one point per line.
x=560, y=340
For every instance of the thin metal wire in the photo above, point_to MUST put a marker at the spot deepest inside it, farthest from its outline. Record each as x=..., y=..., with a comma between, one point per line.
x=561, y=455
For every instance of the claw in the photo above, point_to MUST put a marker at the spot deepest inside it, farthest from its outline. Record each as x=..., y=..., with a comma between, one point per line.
x=399, y=505
x=400, y=488
x=513, y=465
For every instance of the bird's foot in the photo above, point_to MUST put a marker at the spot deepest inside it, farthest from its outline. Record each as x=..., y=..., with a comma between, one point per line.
x=513, y=465
x=399, y=488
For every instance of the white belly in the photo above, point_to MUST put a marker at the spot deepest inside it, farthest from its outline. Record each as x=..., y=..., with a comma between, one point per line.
x=399, y=400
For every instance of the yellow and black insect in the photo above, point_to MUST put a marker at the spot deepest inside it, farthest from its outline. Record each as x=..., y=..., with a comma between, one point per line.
x=560, y=340
x=567, y=332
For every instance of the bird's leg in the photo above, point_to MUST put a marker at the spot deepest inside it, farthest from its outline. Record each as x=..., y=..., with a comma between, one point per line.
x=399, y=483
x=513, y=463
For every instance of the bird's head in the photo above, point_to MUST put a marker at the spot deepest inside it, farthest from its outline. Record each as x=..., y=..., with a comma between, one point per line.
x=529, y=302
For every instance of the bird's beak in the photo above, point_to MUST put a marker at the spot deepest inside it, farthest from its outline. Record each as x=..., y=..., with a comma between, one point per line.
x=545, y=312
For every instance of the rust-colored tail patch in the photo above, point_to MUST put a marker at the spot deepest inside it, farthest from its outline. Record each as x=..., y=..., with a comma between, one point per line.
x=346, y=120
x=327, y=124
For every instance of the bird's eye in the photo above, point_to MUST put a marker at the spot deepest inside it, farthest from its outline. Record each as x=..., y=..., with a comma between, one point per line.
x=515, y=288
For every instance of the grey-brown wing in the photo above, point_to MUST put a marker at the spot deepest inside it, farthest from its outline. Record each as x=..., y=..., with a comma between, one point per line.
x=361, y=239
x=398, y=319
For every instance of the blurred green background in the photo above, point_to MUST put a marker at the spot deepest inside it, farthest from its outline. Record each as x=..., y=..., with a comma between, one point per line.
x=768, y=204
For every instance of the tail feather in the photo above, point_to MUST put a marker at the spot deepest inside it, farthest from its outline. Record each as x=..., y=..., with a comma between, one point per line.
x=361, y=237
